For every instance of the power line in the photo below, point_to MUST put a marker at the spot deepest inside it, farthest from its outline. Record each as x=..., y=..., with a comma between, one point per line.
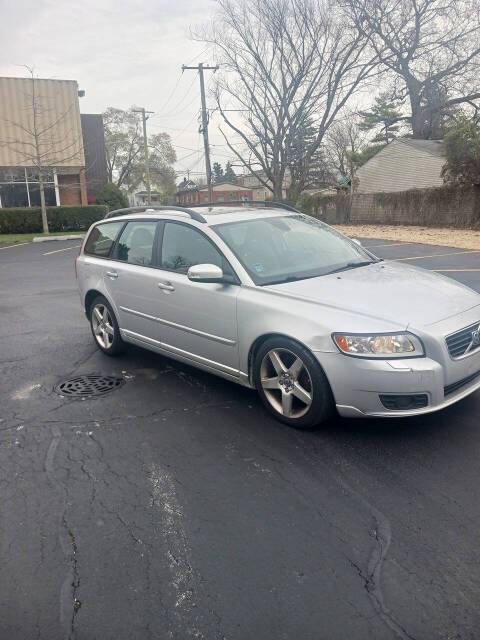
x=172, y=92
x=177, y=106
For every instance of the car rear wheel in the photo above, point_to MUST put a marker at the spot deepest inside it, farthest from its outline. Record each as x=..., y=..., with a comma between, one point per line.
x=292, y=384
x=105, y=327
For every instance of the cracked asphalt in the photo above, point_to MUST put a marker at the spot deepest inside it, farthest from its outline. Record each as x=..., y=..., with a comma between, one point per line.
x=175, y=507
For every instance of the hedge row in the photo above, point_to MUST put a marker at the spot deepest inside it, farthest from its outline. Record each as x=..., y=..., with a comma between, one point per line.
x=29, y=219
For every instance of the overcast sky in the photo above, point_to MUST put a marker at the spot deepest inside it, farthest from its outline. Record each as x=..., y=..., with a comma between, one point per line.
x=122, y=53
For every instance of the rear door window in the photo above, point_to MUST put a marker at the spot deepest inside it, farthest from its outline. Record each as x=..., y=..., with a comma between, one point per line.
x=101, y=239
x=135, y=244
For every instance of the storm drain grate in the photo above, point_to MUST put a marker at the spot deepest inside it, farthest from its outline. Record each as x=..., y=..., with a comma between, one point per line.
x=89, y=385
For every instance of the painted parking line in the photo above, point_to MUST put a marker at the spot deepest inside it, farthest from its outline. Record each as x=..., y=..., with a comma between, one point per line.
x=454, y=270
x=49, y=253
x=19, y=244
x=396, y=244
x=435, y=255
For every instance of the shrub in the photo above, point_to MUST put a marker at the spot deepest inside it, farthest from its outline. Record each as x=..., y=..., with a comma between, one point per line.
x=112, y=197
x=29, y=219
x=305, y=203
x=462, y=148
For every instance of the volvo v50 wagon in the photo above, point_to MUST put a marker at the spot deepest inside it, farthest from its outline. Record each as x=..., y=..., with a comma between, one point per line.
x=275, y=300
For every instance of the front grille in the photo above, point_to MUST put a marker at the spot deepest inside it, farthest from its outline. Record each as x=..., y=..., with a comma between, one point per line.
x=455, y=386
x=404, y=402
x=459, y=342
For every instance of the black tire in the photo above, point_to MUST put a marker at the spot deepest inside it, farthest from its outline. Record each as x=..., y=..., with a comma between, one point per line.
x=115, y=345
x=311, y=379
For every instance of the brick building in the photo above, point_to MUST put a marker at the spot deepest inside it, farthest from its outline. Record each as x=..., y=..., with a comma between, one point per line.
x=50, y=110
x=189, y=193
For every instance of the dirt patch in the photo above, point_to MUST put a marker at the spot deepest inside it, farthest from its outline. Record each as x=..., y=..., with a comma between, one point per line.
x=461, y=238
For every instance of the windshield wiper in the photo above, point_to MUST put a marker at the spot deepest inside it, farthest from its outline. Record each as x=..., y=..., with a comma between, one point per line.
x=286, y=279
x=349, y=265
x=352, y=265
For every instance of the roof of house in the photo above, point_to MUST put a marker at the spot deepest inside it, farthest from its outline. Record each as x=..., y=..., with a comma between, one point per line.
x=228, y=186
x=435, y=147
x=187, y=185
x=403, y=164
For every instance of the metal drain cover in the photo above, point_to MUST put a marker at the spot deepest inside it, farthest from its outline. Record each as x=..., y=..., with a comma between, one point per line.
x=88, y=385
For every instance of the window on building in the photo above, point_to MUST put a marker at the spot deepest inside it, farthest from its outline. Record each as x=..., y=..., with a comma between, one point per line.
x=234, y=195
x=101, y=239
x=135, y=245
x=20, y=187
x=14, y=195
x=49, y=190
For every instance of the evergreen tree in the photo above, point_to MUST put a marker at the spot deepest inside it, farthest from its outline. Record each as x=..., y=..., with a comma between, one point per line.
x=217, y=173
x=113, y=197
x=309, y=172
x=462, y=148
x=230, y=174
x=381, y=118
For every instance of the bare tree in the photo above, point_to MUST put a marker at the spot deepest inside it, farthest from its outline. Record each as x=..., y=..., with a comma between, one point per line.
x=284, y=63
x=44, y=138
x=432, y=49
x=343, y=140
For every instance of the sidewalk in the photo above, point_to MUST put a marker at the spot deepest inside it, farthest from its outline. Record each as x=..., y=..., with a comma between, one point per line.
x=461, y=238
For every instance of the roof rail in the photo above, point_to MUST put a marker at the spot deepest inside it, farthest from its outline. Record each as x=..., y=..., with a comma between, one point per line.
x=193, y=214
x=246, y=203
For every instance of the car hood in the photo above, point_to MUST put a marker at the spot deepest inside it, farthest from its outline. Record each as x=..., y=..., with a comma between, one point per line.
x=402, y=294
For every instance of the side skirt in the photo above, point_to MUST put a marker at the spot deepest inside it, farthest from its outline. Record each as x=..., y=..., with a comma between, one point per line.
x=185, y=356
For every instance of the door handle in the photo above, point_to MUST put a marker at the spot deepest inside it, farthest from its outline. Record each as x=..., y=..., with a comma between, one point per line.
x=112, y=274
x=166, y=286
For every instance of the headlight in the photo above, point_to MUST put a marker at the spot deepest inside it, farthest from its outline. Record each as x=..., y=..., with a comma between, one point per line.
x=392, y=345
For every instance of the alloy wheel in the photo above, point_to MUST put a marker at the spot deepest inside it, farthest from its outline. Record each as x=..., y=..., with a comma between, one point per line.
x=286, y=383
x=102, y=326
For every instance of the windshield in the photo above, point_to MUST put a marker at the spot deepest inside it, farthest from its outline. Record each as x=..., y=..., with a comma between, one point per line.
x=281, y=249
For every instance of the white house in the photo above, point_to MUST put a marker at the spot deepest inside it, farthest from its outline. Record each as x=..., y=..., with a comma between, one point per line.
x=259, y=190
x=139, y=197
x=403, y=164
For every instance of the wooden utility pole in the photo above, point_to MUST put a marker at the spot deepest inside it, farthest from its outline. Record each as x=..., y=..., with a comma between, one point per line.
x=145, y=147
x=201, y=68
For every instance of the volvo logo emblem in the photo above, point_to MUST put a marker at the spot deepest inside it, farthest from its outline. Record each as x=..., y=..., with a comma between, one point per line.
x=476, y=337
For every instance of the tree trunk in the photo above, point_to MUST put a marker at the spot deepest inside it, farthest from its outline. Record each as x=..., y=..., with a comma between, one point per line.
x=42, y=204
x=277, y=190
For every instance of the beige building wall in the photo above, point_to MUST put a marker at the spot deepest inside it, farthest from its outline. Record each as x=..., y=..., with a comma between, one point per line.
x=399, y=167
x=58, y=122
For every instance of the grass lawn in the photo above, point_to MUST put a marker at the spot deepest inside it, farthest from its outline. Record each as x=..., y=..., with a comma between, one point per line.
x=14, y=238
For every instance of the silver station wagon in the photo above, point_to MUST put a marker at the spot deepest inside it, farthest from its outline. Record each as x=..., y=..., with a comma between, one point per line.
x=272, y=299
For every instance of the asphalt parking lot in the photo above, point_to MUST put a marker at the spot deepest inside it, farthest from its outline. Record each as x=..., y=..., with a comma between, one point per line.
x=175, y=507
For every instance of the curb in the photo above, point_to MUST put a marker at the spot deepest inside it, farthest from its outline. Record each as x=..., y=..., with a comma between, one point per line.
x=51, y=238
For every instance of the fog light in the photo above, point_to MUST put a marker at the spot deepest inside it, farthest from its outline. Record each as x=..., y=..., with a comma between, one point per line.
x=404, y=403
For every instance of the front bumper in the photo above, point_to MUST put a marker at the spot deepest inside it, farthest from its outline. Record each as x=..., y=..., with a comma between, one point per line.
x=357, y=383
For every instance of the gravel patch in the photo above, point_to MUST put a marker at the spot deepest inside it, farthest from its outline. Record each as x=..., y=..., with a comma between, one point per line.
x=461, y=238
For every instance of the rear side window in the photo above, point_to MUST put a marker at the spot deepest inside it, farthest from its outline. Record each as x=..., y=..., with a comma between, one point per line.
x=101, y=238
x=135, y=245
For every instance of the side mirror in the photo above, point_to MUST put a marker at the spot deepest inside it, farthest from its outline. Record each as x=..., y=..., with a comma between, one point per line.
x=205, y=273
x=356, y=241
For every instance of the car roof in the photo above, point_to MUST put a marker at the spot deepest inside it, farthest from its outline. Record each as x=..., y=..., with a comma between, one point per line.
x=212, y=215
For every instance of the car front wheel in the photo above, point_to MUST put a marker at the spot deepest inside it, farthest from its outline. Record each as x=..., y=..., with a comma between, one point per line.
x=105, y=327
x=292, y=384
